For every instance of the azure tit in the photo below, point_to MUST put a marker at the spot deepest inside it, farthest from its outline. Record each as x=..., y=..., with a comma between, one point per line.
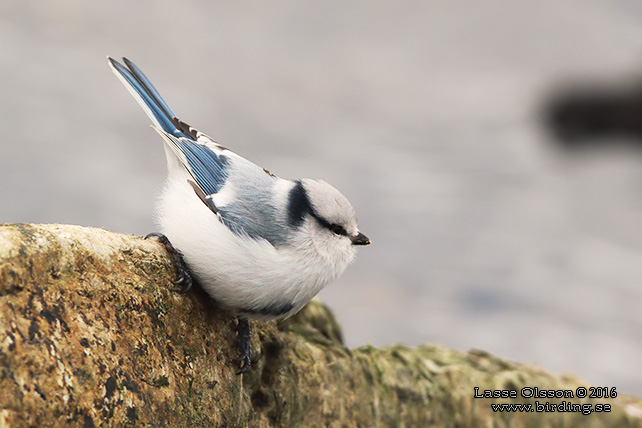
x=261, y=246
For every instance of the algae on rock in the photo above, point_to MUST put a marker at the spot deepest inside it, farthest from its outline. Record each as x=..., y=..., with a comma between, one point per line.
x=91, y=333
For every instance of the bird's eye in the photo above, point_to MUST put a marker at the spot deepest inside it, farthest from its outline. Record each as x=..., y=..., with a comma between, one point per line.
x=338, y=229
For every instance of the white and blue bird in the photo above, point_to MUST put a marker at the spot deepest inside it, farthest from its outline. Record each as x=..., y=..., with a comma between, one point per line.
x=261, y=246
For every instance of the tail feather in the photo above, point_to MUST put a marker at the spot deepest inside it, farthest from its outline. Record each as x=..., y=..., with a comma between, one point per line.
x=151, y=89
x=147, y=96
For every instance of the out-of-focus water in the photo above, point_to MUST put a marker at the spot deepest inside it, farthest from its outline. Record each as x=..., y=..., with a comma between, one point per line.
x=425, y=114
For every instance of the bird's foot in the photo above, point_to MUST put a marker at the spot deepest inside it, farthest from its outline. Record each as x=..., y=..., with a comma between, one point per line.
x=184, y=275
x=245, y=341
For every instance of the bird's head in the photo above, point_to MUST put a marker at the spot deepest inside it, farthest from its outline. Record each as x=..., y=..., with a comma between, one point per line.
x=332, y=222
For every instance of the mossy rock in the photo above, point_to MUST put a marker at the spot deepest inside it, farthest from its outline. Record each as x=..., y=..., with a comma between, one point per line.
x=92, y=333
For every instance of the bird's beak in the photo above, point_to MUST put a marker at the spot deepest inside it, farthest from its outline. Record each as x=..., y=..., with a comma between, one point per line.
x=360, y=239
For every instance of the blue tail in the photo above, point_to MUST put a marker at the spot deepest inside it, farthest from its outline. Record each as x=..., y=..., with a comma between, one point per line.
x=149, y=98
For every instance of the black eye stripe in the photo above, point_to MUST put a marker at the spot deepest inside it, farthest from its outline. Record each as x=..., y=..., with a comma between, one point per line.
x=333, y=227
x=339, y=230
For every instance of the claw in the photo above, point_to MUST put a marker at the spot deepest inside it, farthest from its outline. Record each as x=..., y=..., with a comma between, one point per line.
x=184, y=275
x=163, y=240
x=245, y=338
x=244, y=364
x=184, y=278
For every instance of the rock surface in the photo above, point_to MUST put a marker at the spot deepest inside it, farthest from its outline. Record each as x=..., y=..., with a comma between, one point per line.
x=92, y=334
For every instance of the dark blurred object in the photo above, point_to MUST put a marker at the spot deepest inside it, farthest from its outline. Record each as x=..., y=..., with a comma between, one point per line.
x=594, y=114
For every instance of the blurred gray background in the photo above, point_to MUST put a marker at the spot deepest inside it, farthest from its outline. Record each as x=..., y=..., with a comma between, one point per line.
x=426, y=114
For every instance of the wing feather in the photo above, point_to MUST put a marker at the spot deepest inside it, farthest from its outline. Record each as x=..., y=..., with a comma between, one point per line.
x=208, y=168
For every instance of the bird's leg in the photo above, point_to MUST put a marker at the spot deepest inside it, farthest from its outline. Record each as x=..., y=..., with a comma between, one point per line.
x=245, y=340
x=184, y=275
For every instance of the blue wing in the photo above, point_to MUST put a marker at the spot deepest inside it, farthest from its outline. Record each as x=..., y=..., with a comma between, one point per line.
x=251, y=212
x=206, y=166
